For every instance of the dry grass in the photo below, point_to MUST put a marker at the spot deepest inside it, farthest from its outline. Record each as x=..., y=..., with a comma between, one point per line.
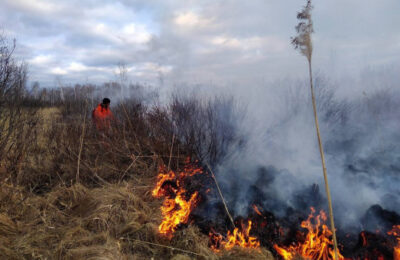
x=80, y=223
x=111, y=222
x=117, y=221
x=113, y=218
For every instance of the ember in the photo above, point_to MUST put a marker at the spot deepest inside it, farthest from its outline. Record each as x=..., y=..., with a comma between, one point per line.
x=257, y=210
x=239, y=237
x=178, y=204
x=317, y=244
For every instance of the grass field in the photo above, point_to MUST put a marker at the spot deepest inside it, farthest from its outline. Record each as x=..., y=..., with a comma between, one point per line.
x=47, y=214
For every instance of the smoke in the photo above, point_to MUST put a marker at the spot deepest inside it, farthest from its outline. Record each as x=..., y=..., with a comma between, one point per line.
x=279, y=166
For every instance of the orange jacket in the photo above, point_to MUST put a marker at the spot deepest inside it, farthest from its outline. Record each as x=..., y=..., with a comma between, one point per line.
x=102, y=117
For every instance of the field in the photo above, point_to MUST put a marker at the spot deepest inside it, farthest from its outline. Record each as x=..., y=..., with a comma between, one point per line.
x=105, y=210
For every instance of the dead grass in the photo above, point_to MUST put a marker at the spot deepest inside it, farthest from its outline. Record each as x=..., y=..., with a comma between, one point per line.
x=112, y=222
x=109, y=214
x=80, y=223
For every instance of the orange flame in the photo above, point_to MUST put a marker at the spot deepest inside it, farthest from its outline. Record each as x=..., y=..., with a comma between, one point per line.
x=176, y=211
x=176, y=208
x=162, y=177
x=235, y=238
x=396, y=233
x=318, y=243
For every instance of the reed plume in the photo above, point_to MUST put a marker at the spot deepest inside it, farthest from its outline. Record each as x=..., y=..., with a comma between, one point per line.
x=303, y=43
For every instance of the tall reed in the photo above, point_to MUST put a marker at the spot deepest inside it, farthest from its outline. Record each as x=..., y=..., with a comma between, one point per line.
x=303, y=42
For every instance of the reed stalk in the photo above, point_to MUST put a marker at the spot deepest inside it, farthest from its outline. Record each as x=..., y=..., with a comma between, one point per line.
x=303, y=42
x=81, y=145
x=222, y=197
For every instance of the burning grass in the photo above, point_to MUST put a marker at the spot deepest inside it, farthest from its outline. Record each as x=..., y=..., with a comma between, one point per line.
x=313, y=241
x=317, y=243
x=238, y=237
x=178, y=203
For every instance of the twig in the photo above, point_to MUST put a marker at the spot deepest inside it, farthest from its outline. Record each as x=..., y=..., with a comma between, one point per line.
x=170, y=247
x=81, y=144
x=170, y=152
x=127, y=169
x=220, y=194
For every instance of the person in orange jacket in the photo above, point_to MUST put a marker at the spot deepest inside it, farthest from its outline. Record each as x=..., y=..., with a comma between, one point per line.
x=102, y=115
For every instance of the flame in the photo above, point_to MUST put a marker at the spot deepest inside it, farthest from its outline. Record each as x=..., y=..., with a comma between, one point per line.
x=176, y=207
x=317, y=245
x=396, y=233
x=176, y=211
x=238, y=237
x=162, y=177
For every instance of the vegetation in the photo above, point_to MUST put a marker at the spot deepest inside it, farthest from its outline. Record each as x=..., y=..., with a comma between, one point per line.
x=68, y=191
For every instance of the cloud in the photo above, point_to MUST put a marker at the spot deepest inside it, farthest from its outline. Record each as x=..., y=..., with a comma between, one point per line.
x=34, y=6
x=59, y=71
x=190, y=19
x=227, y=42
x=271, y=44
x=41, y=60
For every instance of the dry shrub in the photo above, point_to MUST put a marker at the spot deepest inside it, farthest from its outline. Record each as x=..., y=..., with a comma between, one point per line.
x=206, y=127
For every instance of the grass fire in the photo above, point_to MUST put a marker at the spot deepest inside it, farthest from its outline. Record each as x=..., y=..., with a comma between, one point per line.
x=193, y=130
x=176, y=208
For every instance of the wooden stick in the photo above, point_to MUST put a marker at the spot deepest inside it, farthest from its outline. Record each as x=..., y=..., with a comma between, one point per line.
x=222, y=197
x=170, y=247
x=321, y=151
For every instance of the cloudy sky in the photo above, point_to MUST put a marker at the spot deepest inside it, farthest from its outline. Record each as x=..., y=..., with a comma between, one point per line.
x=196, y=41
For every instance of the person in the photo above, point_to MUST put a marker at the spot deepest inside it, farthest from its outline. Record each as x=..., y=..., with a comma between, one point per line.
x=102, y=115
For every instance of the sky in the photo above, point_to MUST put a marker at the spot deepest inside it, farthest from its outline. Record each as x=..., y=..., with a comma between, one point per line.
x=216, y=42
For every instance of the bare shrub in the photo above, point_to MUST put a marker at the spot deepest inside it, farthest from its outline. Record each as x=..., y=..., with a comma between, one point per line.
x=206, y=127
x=17, y=124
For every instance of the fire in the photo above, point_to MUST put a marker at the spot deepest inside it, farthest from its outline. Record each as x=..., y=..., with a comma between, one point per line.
x=396, y=233
x=178, y=204
x=162, y=177
x=176, y=211
x=318, y=243
x=238, y=237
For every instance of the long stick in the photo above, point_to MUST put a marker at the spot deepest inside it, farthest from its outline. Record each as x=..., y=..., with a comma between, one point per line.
x=222, y=197
x=321, y=151
x=81, y=145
